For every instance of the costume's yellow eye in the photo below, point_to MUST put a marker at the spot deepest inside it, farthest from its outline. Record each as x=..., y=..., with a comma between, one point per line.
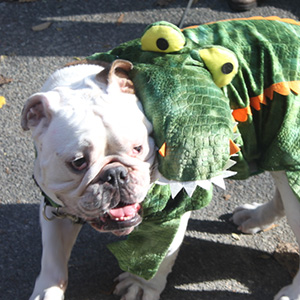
x=221, y=62
x=162, y=37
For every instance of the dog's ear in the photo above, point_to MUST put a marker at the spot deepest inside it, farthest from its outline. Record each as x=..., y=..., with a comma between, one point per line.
x=37, y=110
x=117, y=75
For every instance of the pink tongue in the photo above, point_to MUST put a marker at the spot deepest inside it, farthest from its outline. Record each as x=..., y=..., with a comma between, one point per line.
x=128, y=211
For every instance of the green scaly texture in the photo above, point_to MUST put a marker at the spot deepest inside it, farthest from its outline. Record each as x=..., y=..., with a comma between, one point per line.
x=169, y=86
x=193, y=117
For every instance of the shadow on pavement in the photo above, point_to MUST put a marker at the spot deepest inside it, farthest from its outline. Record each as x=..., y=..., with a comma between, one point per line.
x=92, y=267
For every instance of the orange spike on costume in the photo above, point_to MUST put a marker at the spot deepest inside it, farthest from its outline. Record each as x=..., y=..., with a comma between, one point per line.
x=234, y=148
x=295, y=86
x=270, y=18
x=256, y=101
x=241, y=114
x=162, y=151
x=282, y=88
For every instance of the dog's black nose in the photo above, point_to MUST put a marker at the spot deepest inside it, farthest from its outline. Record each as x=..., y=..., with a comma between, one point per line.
x=117, y=175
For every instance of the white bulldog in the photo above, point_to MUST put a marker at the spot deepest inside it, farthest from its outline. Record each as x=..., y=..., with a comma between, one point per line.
x=96, y=161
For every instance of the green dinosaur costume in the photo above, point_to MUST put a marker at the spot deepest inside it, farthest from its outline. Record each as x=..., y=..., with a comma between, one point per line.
x=194, y=85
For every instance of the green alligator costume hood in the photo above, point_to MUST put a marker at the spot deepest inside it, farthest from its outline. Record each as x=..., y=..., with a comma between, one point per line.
x=195, y=85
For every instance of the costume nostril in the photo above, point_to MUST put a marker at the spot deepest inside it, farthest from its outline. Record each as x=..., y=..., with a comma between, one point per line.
x=115, y=175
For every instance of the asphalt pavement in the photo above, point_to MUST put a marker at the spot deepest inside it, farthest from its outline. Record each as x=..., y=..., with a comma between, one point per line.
x=215, y=261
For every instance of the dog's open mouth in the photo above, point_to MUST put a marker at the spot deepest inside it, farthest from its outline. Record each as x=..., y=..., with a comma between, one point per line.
x=120, y=218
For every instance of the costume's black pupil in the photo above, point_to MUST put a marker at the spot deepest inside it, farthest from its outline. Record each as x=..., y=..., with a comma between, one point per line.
x=162, y=44
x=227, y=68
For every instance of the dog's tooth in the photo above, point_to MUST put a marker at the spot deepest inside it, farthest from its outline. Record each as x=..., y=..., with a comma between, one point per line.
x=130, y=210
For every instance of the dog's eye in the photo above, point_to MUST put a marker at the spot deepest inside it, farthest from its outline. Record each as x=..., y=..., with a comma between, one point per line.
x=79, y=164
x=137, y=149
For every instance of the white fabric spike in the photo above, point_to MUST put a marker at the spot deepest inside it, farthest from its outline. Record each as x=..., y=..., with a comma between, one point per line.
x=175, y=188
x=229, y=164
x=227, y=174
x=236, y=135
x=219, y=181
x=205, y=184
x=190, y=187
x=162, y=180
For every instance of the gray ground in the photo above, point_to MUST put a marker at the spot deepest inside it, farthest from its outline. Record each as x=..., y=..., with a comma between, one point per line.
x=215, y=261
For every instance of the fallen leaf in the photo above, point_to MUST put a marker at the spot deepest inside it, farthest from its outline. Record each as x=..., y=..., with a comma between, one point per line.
x=287, y=255
x=270, y=227
x=41, y=26
x=4, y=80
x=2, y=57
x=235, y=236
x=227, y=197
x=186, y=242
x=109, y=291
x=264, y=256
x=120, y=19
x=164, y=3
x=2, y=101
x=107, y=46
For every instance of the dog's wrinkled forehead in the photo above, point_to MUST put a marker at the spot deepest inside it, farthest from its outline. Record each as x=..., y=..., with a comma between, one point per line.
x=93, y=118
x=77, y=122
x=93, y=89
x=92, y=107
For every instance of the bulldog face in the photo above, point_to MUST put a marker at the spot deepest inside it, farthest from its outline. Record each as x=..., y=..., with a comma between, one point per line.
x=94, y=151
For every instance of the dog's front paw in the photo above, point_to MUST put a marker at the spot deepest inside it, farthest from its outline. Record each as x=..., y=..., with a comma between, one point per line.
x=131, y=287
x=289, y=292
x=249, y=219
x=52, y=293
